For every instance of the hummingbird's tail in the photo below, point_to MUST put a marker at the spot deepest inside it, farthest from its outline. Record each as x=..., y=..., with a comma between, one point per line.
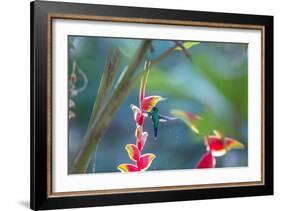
x=155, y=132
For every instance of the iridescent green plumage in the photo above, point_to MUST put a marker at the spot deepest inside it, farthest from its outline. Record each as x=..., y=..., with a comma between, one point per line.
x=156, y=118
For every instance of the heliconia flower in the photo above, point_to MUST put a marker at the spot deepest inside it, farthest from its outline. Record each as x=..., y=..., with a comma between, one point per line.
x=142, y=164
x=138, y=115
x=149, y=102
x=145, y=161
x=188, y=118
x=219, y=145
x=133, y=152
x=207, y=161
x=215, y=145
x=126, y=167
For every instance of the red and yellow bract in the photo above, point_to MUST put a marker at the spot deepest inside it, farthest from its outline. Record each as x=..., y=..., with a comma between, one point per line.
x=217, y=145
x=141, y=162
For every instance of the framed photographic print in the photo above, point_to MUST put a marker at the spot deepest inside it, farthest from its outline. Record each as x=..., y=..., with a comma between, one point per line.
x=140, y=105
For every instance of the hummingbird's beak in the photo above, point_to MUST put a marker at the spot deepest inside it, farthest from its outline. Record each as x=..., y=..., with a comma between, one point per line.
x=162, y=99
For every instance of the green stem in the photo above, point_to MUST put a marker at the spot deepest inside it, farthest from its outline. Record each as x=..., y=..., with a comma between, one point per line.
x=151, y=64
x=184, y=50
x=163, y=55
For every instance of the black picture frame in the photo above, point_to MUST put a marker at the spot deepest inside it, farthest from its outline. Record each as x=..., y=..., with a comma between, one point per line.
x=41, y=111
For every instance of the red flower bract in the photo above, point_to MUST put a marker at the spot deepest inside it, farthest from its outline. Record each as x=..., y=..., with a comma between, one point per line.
x=126, y=167
x=207, y=161
x=145, y=161
x=217, y=145
x=142, y=162
x=149, y=102
x=138, y=115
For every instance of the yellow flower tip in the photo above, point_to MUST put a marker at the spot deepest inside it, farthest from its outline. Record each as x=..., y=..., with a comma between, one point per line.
x=128, y=146
x=151, y=157
x=233, y=144
x=155, y=100
x=122, y=168
x=126, y=167
x=133, y=152
x=218, y=134
x=194, y=129
x=239, y=145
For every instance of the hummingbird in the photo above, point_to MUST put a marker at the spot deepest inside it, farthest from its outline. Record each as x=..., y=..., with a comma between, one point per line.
x=156, y=118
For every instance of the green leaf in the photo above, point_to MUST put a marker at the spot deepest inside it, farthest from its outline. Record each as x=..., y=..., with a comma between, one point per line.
x=187, y=45
x=110, y=69
x=234, y=89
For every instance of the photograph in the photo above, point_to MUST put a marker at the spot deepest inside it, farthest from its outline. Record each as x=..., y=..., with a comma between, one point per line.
x=137, y=105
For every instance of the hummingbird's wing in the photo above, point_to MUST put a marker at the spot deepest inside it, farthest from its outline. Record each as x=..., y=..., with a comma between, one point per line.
x=163, y=118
